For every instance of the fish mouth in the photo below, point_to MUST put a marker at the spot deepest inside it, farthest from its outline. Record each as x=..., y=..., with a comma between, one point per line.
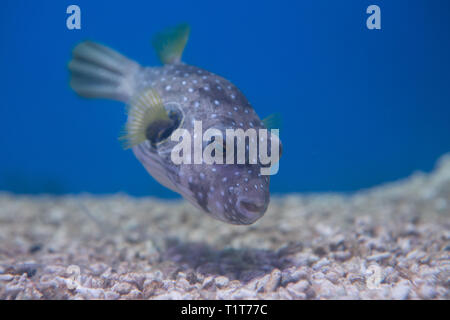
x=251, y=210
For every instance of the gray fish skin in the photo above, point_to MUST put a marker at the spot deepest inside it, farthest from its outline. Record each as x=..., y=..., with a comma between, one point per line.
x=233, y=193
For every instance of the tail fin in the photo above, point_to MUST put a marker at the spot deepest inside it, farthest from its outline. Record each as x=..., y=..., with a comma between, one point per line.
x=100, y=72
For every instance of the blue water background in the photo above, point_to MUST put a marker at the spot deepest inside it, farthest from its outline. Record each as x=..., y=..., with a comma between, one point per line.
x=359, y=107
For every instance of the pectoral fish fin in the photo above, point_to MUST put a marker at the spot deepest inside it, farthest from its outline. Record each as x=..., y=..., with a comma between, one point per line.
x=146, y=114
x=169, y=44
x=273, y=121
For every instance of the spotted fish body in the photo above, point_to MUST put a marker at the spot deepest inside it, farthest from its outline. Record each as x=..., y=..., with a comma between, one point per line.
x=233, y=193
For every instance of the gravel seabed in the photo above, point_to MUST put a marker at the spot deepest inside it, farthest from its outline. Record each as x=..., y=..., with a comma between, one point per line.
x=389, y=242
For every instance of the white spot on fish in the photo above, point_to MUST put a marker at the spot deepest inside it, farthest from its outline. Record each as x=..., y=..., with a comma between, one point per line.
x=191, y=90
x=168, y=88
x=216, y=102
x=183, y=83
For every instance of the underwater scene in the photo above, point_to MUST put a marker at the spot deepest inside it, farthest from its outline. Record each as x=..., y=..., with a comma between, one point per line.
x=206, y=150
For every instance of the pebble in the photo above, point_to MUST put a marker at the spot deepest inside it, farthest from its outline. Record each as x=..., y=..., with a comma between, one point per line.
x=321, y=263
x=298, y=287
x=221, y=281
x=400, y=291
x=293, y=276
x=6, y=277
x=415, y=255
x=243, y=294
x=379, y=256
x=208, y=282
x=111, y=295
x=122, y=288
x=427, y=292
x=273, y=281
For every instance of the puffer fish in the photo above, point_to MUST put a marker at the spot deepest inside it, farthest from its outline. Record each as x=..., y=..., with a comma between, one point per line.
x=164, y=98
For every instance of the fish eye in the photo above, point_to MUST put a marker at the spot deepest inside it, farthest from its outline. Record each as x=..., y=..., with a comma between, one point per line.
x=159, y=131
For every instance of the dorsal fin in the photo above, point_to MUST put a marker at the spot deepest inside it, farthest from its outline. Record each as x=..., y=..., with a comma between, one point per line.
x=169, y=44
